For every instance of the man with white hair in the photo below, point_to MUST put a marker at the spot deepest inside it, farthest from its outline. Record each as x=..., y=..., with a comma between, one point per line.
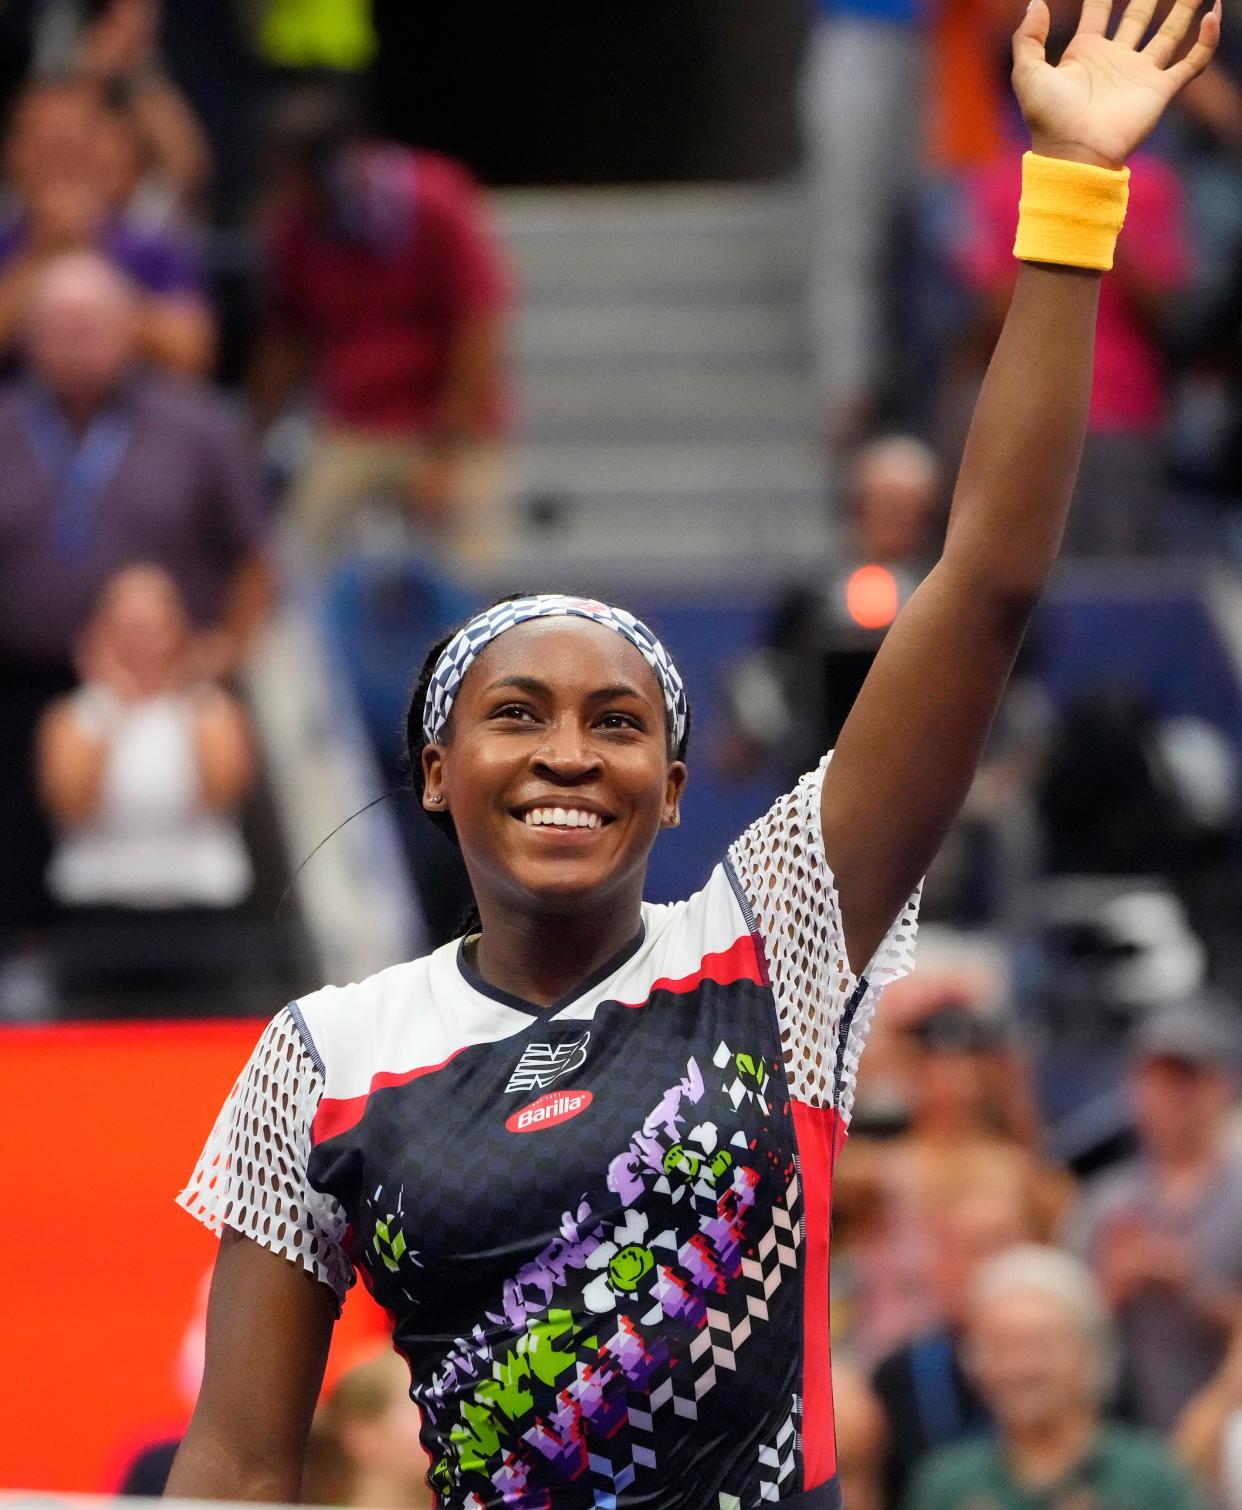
x=1044, y=1357
x=105, y=462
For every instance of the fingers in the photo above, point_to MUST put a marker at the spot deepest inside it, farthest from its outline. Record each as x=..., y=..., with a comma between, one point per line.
x=1096, y=14
x=1132, y=27
x=1201, y=54
x=1031, y=36
x=1163, y=46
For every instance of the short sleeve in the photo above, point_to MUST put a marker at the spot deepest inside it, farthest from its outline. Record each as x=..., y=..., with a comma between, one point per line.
x=824, y=1012
x=251, y=1175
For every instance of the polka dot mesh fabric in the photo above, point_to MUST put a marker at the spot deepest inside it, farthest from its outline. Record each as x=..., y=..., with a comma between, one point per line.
x=251, y=1175
x=780, y=864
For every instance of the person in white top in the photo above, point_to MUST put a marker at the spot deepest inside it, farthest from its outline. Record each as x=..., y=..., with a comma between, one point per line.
x=143, y=769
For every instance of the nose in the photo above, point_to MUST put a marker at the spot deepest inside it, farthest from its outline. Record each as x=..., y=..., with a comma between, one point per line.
x=566, y=755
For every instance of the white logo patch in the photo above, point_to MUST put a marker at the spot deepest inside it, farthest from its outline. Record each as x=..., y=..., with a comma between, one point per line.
x=543, y=1063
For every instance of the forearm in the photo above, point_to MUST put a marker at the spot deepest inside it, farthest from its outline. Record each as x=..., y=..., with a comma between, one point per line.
x=280, y=364
x=250, y=598
x=1025, y=442
x=473, y=379
x=208, y=1468
x=71, y=769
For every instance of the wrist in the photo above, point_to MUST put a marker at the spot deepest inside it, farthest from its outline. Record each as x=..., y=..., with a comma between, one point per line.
x=1071, y=212
x=1071, y=152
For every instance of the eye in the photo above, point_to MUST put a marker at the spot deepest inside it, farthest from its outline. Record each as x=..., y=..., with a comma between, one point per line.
x=614, y=721
x=518, y=711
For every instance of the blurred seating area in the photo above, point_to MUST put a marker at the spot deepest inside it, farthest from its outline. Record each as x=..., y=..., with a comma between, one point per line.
x=305, y=353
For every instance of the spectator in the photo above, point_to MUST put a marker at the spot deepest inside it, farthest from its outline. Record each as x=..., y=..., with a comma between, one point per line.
x=1164, y=1232
x=389, y=294
x=1121, y=505
x=928, y=1397
x=365, y=1446
x=169, y=159
x=1043, y=1356
x=971, y=1126
x=859, y=1423
x=70, y=162
x=105, y=463
x=791, y=697
x=1209, y=1434
x=143, y=768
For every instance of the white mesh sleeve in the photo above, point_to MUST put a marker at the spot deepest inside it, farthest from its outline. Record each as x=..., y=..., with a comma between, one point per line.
x=824, y=1012
x=251, y=1175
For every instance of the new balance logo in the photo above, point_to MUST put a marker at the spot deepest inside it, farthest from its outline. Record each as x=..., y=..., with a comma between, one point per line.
x=543, y=1063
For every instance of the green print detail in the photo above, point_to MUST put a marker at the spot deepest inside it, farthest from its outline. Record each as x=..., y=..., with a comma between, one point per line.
x=389, y=1247
x=537, y=1356
x=721, y=1163
x=629, y=1266
x=681, y=1160
x=753, y=1073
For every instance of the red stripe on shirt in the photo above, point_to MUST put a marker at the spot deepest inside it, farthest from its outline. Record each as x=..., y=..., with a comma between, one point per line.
x=820, y=1136
x=740, y=961
x=338, y=1114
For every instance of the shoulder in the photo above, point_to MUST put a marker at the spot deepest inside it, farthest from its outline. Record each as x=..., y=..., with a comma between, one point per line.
x=1108, y=1193
x=1141, y=1460
x=442, y=180
x=380, y=1023
x=950, y=1473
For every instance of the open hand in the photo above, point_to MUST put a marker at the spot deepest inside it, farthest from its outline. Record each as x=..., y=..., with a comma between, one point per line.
x=1105, y=96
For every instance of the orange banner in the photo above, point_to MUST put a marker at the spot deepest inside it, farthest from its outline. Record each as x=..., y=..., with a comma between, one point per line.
x=102, y=1276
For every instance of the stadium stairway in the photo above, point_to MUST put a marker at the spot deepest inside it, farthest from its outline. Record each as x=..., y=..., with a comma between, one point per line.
x=666, y=432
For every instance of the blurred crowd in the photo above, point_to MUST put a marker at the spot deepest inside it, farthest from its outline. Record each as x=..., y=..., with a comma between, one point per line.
x=216, y=362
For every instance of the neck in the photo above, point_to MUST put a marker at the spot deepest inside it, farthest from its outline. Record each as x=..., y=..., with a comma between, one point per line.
x=1040, y=1455
x=541, y=959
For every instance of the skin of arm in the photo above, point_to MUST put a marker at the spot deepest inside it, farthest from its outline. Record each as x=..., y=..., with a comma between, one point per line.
x=280, y=365
x=909, y=749
x=173, y=136
x=225, y=764
x=474, y=371
x=71, y=761
x=269, y=1324
x=248, y=603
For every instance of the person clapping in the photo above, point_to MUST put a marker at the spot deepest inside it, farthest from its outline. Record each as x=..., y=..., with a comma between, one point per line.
x=143, y=769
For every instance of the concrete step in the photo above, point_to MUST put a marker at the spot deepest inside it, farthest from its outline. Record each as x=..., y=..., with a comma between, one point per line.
x=667, y=469
x=756, y=336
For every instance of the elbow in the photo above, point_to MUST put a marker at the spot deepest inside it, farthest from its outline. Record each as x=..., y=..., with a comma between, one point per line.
x=1002, y=596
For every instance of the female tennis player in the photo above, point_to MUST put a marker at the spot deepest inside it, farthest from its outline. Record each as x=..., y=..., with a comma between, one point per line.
x=583, y=1156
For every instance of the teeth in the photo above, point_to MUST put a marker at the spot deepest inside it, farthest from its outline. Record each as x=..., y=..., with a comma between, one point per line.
x=562, y=817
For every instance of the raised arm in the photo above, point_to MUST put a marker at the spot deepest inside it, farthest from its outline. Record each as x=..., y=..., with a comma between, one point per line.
x=269, y=1323
x=909, y=749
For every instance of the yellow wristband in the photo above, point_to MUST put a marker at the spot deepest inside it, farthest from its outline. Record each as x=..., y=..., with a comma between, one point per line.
x=1071, y=213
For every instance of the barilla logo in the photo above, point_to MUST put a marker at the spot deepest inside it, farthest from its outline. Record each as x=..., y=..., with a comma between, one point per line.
x=548, y=1111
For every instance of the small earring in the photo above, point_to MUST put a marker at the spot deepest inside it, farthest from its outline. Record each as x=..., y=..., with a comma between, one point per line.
x=436, y=799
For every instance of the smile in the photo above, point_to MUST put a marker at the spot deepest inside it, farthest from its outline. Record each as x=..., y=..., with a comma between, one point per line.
x=561, y=817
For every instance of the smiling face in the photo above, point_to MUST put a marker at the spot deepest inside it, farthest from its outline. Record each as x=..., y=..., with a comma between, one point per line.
x=556, y=769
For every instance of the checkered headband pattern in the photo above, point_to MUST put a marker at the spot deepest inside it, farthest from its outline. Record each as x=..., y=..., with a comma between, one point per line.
x=467, y=644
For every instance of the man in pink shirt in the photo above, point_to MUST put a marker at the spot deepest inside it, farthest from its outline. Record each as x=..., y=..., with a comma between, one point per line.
x=1121, y=506
x=389, y=293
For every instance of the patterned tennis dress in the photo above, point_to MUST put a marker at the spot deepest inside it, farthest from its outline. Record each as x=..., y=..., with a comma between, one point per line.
x=600, y=1228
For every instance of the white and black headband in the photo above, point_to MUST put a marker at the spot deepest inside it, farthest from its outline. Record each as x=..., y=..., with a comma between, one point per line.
x=468, y=643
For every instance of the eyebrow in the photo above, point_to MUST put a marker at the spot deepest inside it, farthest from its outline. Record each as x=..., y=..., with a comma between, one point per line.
x=536, y=688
